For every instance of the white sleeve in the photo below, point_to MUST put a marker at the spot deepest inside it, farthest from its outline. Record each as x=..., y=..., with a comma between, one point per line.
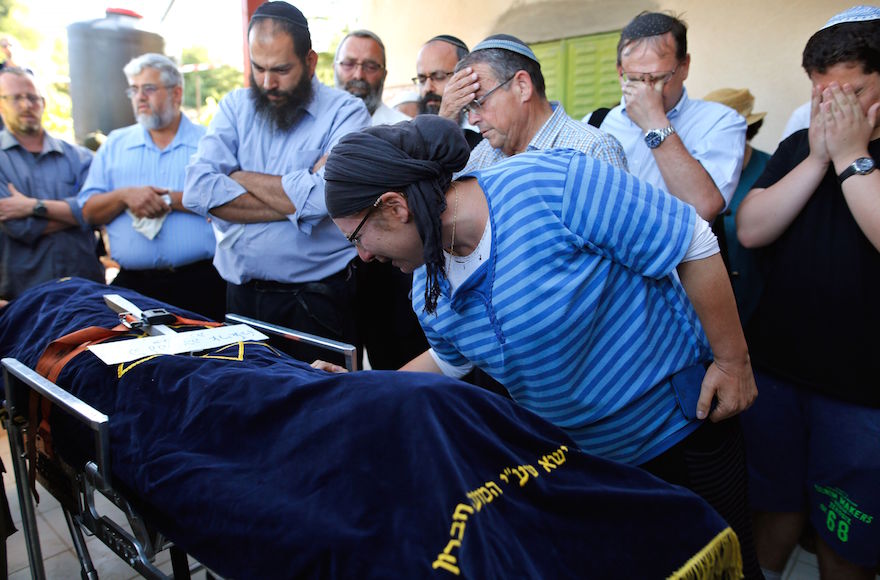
x=448, y=369
x=703, y=243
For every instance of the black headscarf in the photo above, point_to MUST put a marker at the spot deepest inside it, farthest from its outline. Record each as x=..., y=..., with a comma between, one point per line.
x=416, y=158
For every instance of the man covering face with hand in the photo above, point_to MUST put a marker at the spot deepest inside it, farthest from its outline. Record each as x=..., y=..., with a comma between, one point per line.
x=691, y=148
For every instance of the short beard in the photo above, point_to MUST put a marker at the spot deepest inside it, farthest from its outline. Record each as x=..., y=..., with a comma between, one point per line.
x=154, y=121
x=285, y=113
x=28, y=128
x=430, y=104
x=370, y=95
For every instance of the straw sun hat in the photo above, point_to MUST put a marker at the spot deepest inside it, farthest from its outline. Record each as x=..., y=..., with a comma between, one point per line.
x=740, y=100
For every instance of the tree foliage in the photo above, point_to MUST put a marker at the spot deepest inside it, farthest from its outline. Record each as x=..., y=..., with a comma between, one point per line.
x=14, y=17
x=51, y=73
x=324, y=70
x=211, y=84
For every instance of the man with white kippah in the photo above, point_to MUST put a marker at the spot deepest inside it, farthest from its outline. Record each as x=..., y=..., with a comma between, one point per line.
x=690, y=148
x=813, y=436
x=407, y=103
x=800, y=117
x=511, y=109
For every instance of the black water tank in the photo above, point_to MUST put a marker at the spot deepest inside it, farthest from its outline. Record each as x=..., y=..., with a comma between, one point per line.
x=97, y=51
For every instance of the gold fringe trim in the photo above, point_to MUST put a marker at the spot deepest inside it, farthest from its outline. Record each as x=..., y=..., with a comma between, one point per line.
x=720, y=558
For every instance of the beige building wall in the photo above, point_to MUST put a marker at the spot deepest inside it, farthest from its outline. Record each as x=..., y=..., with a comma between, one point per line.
x=750, y=43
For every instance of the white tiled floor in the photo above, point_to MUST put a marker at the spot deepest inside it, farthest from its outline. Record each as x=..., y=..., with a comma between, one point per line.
x=801, y=566
x=59, y=556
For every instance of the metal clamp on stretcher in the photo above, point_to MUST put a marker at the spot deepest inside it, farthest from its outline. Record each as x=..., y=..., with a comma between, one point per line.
x=151, y=321
x=74, y=487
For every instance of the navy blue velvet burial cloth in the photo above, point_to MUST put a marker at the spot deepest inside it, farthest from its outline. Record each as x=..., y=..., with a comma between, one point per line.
x=262, y=467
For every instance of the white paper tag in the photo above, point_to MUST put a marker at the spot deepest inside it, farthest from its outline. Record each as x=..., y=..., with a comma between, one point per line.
x=128, y=350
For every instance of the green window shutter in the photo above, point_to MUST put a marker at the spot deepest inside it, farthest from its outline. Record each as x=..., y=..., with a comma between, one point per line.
x=552, y=61
x=591, y=74
x=581, y=72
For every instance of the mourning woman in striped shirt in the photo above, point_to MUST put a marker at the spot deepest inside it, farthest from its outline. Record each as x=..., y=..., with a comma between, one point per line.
x=599, y=301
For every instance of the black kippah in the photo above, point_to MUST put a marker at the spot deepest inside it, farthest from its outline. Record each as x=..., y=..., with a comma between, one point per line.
x=648, y=24
x=281, y=11
x=449, y=39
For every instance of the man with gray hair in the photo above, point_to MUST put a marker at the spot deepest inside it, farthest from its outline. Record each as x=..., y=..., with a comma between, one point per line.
x=135, y=185
x=511, y=109
x=359, y=68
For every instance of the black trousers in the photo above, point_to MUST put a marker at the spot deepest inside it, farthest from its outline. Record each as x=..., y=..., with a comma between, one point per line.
x=196, y=287
x=387, y=326
x=711, y=462
x=324, y=308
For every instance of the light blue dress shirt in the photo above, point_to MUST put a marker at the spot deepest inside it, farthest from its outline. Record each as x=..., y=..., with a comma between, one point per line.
x=307, y=246
x=713, y=134
x=130, y=158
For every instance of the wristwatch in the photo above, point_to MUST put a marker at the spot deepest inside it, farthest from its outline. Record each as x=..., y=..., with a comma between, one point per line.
x=655, y=137
x=40, y=210
x=861, y=166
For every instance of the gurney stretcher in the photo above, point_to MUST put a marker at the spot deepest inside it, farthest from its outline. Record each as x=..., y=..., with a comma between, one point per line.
x=259, y=466
x=74, y=489
x=137, y=543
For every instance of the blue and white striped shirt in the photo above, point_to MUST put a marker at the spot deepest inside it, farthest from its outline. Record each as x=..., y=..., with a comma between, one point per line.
x=129, y=158
x=577, y=310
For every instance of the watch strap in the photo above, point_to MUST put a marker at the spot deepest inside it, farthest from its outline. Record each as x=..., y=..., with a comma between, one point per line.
x=40, y=209
x=655, y=137
x=861, y=166
x=666, y=132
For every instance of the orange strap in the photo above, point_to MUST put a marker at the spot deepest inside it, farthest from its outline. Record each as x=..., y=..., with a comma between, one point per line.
x=61, y=351
x=193, y=322
x=53, y=360
x=57, y=354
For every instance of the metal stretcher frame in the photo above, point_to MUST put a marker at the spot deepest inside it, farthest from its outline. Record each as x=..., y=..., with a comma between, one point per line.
x=75, y=487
